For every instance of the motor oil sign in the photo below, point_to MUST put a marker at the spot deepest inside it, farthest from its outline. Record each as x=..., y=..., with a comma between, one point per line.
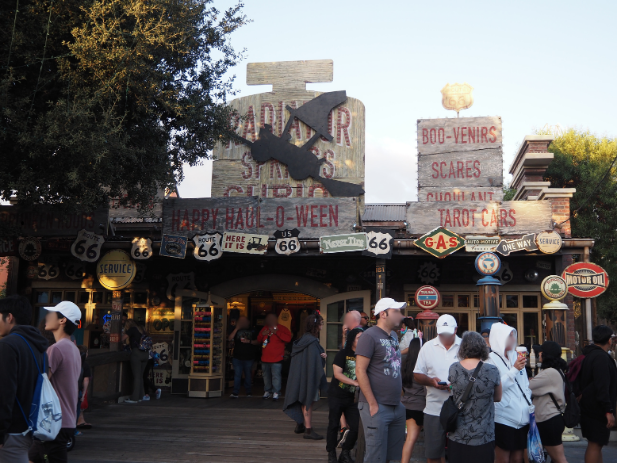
x=440, y=242
x=585, y=279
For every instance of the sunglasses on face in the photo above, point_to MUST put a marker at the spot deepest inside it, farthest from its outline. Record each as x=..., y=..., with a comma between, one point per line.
x=364, y=318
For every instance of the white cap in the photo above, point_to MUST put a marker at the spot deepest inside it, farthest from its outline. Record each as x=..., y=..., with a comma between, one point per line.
x=446, y=324
x=388, y=303
x=68, y=309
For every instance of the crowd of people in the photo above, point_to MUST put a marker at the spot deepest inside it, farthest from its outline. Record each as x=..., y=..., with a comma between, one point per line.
x=389, y=385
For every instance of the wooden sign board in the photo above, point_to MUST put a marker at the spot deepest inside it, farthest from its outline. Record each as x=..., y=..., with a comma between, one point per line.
x=343, y=243
x=462, y=169
x=485, y=218
x=245, y=243
x=313, y=217
x=458, y=134
x=131, y=213
x=47, y=221
x=235, y=173
x=459, y=194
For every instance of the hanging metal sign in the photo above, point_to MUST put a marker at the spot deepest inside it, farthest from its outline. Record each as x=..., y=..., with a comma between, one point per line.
x=585, y=279
x=343, y=243
x=427, y=297
x=287, y=242
x=208, y=246
x=488, y=264
x=30, y=249
x=245, y=243
x=554, y=288
x=549, y=242
x=379, y=244
x=526, y=243
x=457, y=96
x=173, y=246
x=141, y=249
x=75, y=270
x=116, y=270
x=440, y=242
x=87, y=246
x=48, y=271
x=477, y=243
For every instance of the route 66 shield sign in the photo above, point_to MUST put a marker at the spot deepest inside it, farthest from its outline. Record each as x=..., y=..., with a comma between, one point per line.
x=87, y=246
x=457, y=96
x=287, y=241
x=208, y=246
x=141, y=249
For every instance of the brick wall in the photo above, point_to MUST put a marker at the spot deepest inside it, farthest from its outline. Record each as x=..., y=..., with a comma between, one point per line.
x=561, y=212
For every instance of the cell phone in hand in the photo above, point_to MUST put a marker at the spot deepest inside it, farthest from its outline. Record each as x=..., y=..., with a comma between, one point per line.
x=443, y=383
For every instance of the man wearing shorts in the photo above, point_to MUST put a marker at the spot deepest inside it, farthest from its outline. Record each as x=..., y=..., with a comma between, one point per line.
x=432, y=368
x=378, y=371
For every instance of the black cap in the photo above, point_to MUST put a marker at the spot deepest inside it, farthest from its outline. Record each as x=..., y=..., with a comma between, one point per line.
x=550, y=349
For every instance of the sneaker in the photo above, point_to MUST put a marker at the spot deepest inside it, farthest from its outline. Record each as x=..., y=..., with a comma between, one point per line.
x=343, y=437
x=310, y=434
x=275, y=396
x=345, y=457
x=300, y=428
x=267, y=395
x=233, y=396
x=158, y=394
x=146, y=397
x=332, y=457
x=129, y=401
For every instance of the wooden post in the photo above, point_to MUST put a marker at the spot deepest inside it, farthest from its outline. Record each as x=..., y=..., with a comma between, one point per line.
x=380, y=279
x=289, y=76
x=115, y=334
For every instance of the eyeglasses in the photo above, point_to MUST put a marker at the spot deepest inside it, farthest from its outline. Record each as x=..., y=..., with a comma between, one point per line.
x=364, y=318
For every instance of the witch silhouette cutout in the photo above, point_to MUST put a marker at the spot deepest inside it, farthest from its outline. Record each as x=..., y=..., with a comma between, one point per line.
x=300, y=161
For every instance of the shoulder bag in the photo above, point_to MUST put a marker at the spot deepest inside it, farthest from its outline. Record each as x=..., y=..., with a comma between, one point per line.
x=450, y=409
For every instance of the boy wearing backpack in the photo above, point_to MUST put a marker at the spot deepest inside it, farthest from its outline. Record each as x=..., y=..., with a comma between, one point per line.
x=64, y=370
x=18, y=375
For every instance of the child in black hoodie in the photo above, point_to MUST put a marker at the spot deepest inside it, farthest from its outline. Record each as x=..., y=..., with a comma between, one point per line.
x=18, y=375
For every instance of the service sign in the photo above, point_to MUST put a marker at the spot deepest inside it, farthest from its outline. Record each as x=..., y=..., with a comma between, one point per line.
x=379, y=244
x=287, y=242
x=141, y=249
x=343, y=243
x=30, y=249
x=477, y=243
x=8, y=248
x=173, y=246
x=549, y=242
x=440, y=242
x=526, y=243
x=458, y=134
x=585, y=279
x=115, y=270
x=482, y=218
x=87, y=246
x=554, y=288
x=245, y=243
x=427, y=297
x=208, y=246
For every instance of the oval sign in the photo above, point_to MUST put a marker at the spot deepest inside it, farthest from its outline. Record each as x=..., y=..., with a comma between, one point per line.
x=549, y=242
x=585, y=279
x=116, y=270
x=427, y=297
x=488, y=263
x=554, y=288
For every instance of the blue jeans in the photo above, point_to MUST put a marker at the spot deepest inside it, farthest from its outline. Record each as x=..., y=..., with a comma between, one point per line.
x=272, y=376
x=242, y=366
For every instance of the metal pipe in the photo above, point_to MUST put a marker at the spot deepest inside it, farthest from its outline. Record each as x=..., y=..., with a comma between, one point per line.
x=578, y=243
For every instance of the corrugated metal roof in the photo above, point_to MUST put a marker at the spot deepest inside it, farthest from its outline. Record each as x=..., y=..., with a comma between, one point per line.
x=384, y=213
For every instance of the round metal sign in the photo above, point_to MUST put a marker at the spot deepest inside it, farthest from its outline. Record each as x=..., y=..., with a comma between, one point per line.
x=488, y=263
x=427, y=297
x=30, y=249
x=585, y=279
x=116, y=270
x=549, y=242
x=554, y=288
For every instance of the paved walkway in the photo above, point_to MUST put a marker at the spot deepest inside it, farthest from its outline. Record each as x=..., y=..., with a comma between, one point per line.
x=178, y=430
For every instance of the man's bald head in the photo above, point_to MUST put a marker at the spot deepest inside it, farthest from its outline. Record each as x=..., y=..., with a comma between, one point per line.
x=352, y=319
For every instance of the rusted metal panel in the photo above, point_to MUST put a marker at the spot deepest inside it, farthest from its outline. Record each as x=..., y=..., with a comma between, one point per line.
x=384, y=213
x=458, y=134
x=462, y=169
x=502, y=218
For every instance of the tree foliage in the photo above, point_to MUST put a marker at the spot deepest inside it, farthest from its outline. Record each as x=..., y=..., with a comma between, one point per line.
x=582, y=161
x=109, y=98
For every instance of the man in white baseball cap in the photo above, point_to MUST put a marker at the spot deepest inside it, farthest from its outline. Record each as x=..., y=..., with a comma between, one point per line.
x=378, y=369
x=432, y=368
x=64, y=364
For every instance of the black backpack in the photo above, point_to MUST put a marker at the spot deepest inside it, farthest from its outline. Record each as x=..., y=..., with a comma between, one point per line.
x=572, y=413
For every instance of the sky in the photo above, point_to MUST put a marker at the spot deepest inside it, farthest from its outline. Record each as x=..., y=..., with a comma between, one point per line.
x=532, y=63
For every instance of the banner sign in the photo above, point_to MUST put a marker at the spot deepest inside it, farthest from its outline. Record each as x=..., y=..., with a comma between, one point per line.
x=343, y=243
x=585, y=279
x=491, y=218
x=245, y=243
x=313, y=217
x=47, y=221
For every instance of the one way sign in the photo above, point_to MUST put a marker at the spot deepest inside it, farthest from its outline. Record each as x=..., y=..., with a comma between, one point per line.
x=526, y=243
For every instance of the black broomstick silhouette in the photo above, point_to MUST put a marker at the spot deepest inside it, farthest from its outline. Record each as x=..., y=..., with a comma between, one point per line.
x=300, y=161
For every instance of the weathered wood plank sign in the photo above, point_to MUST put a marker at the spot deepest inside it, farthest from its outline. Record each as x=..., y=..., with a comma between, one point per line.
x=467, y=169
x=48, y=221
x=459, y=194
x=313, y=217
x=492, y=218
x=458, y=134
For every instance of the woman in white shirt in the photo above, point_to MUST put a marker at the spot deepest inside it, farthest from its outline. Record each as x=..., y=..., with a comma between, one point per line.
x=408, y=332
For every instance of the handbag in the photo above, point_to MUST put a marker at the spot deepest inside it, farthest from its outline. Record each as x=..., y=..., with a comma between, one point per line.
x=572, y=412
x=450, y=409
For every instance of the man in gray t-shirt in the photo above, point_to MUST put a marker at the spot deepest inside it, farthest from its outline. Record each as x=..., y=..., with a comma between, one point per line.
x=378, y=370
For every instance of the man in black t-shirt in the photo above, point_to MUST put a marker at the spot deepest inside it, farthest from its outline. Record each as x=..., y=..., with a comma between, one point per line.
x=243, y=356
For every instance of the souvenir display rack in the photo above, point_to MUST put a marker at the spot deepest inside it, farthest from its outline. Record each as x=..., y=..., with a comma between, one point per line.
x=208, y=347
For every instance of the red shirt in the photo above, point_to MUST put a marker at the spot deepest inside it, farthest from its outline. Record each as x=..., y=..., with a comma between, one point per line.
x=275, y=350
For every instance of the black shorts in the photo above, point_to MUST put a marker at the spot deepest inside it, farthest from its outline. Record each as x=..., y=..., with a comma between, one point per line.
x=416, y=415
x=510, y=439
x=595, y=430
x=55, y=450
x=551, y=430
